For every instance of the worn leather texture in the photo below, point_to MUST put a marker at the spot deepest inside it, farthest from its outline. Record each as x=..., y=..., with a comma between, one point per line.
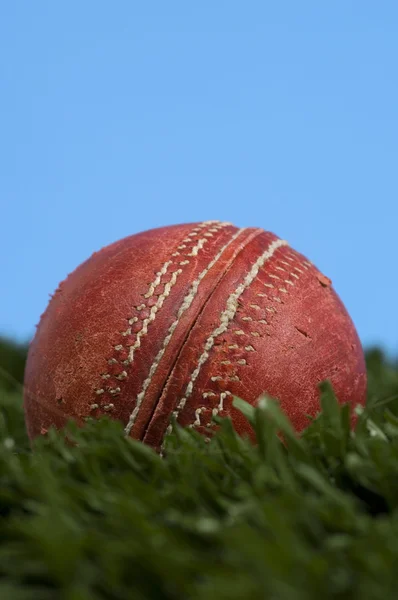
x=178, y=320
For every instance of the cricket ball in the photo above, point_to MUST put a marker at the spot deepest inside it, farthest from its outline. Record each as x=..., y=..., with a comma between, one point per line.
x=178, y=320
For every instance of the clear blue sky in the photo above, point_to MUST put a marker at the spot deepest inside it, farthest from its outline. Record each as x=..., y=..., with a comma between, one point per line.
x=121, y=116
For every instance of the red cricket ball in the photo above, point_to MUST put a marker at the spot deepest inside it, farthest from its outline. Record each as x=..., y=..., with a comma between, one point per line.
x=177, y=320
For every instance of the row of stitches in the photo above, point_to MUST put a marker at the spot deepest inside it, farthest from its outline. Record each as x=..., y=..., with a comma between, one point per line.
x=145, y=313
x=289, y=274
x=185, y=305
x=227, y=317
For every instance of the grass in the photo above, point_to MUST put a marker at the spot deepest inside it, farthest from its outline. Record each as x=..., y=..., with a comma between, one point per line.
x=313, y=517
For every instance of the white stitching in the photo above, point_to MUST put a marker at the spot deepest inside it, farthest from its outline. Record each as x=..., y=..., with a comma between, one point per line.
x=152, y=287
x=199, y=246
x=226, y=317
x=186, y=303
x=215, y=410
x=159, y=303
x=154, y=309
x=156, y=282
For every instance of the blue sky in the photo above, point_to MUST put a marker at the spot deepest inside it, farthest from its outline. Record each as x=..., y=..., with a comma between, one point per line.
x=119, y=117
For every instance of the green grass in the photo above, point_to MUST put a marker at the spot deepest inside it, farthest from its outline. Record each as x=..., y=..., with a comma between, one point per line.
x=315, y=517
